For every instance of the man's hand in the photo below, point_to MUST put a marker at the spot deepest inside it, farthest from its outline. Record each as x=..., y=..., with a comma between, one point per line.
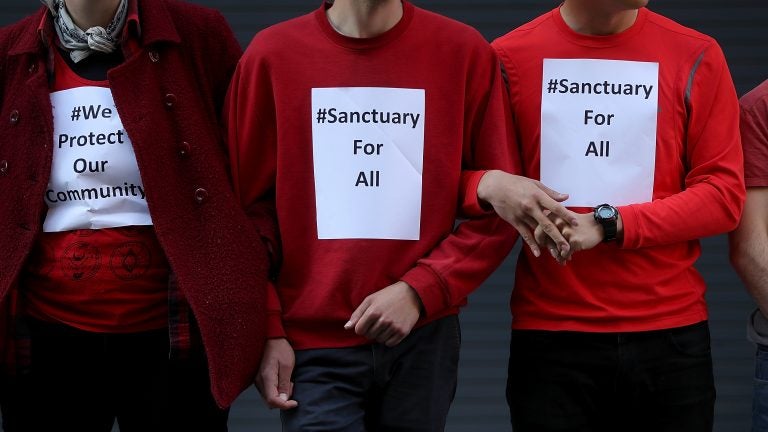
x=525, y=204
x=387, y=316
x=274, y=378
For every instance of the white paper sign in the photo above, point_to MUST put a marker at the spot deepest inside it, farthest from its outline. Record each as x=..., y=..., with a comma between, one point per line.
x=368, y=149
x=95, y=181
x=598, y=130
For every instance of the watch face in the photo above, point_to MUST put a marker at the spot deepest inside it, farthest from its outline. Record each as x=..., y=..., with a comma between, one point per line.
x=605, y=212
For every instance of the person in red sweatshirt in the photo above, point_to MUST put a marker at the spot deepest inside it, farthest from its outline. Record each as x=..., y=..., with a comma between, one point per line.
x=749, y=241
x=357, y=121
x=636, y=117
x=132, y=284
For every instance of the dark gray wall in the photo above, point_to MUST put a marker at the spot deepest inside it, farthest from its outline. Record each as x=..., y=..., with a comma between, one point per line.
x=739, y=26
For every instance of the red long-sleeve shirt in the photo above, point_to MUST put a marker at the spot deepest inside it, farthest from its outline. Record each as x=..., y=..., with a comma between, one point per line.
x=271, y=116
x=647, y=281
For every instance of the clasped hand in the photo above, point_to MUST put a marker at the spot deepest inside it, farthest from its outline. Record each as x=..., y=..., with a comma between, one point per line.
x=586, y=234
x=534, y=210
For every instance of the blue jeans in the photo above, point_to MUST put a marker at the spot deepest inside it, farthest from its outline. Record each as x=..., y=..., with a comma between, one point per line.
x=406, y=388
x=652, y=381
x=760, y=396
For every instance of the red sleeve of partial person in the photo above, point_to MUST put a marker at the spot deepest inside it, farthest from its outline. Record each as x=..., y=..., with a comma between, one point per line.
x=714, y=193
x=253, y=161
x=464, y=259
x=754, y=136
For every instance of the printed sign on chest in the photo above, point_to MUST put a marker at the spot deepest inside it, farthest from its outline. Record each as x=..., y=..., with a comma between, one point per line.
x=368, y=150
x=598, y=130
x=95, y=181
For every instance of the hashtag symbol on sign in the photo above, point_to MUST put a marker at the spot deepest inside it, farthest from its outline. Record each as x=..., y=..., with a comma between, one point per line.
x=552, y=87
x=76, y=113
x=321, y=113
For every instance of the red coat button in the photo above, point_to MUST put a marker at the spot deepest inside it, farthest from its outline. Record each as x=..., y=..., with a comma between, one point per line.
x=170, y=100
x=184, y=150
x=201, y=195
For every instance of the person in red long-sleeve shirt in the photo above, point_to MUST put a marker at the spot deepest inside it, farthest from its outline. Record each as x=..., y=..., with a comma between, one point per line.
x=356, y=122
x=636, y=118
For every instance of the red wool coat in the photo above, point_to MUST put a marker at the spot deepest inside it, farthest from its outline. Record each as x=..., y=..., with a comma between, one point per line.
x=169, y=96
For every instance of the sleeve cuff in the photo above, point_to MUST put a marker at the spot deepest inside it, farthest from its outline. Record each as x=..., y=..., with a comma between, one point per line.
x=429, y=287
x=274, y=314
x=470, y=204
x=275, y=326
x=631, y=239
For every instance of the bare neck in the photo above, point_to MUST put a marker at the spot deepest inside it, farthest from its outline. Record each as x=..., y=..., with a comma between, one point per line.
x=92, y=13
x=364, y=18
x=600, y=18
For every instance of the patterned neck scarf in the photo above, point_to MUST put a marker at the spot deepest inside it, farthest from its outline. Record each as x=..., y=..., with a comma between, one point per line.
x=84, y=43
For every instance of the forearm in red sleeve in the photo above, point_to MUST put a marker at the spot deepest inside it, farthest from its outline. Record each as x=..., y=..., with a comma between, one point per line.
x=465, y=258
x=251, y=135
x=461, y=263
x=469, y=203
x=712, y=199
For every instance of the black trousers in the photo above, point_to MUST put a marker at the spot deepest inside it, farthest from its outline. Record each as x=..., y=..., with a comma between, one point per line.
x=408, y=387
x=658, y=381
x=7, y=402
x=84, y=382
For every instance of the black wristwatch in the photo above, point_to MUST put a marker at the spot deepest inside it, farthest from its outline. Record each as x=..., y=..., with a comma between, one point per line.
x=607, y=216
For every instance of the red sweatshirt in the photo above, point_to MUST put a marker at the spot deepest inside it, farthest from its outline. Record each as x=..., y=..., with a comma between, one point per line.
x=305, y=103
x=647, y=281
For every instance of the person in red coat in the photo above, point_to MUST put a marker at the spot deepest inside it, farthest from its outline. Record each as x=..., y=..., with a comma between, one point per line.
x=131, y=281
